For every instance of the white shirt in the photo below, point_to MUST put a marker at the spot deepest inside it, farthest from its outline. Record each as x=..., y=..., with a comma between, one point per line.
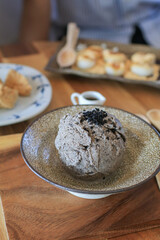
x=111, y=20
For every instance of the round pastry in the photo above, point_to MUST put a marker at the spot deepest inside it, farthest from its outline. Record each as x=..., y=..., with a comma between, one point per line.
x=88, y=57
x=85, y=62
x=115, y=69
x=146, y=58
x=90, y=142
x=92, y=52
x=144, y=70
x=113, y=56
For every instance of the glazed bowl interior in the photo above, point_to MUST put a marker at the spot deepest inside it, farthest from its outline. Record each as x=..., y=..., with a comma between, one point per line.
x=141, y=159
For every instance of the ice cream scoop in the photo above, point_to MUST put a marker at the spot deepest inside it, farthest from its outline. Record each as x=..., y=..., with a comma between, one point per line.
x=90, y=142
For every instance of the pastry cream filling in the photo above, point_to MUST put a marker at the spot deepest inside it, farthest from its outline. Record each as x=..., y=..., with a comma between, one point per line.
x=116, y=69
x=84, y=62
x=142, y=69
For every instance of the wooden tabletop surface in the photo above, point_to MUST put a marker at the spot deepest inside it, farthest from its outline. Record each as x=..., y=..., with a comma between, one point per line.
x=130, y=97
x=134, y=98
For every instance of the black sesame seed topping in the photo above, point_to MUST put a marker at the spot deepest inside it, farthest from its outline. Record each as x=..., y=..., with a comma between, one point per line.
x=96, y=116
x=86, y=129
x=113, y=130
x=123, y=137
x=85, y=147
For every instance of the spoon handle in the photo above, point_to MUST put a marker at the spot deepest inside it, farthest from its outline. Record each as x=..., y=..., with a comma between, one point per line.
x=158, y=180
x=72, y=35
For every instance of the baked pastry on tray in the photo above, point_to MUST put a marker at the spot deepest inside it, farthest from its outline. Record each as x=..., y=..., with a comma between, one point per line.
x=142, y=72
x=97, y=60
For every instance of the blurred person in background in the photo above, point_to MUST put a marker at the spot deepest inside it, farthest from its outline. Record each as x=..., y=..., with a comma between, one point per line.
x=10, y=19
x=123, y=21
x=24, y=20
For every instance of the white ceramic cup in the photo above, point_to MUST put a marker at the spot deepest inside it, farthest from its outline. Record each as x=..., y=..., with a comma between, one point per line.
x=88, y=98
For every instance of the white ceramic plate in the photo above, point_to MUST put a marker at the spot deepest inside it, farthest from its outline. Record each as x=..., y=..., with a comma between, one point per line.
x=30, y=106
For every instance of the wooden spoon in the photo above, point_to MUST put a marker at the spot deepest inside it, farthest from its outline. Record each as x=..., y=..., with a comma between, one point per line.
x=154, y=116
x=143, y=117
x=67, y=55
x=148, y=119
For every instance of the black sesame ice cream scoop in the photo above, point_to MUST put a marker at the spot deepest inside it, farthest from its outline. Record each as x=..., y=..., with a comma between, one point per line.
x=90, y=142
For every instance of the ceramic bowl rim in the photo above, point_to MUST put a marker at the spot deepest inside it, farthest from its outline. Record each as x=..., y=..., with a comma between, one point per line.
x=79, y=190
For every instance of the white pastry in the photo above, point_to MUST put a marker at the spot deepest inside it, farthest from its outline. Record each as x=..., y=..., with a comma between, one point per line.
x=93, y=52
x=113, y=56
x=143, y=58
x=88, y=57
x=115, y=69
x=84, y=62
x=142, y=69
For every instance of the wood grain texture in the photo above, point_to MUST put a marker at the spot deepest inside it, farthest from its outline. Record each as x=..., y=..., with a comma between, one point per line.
x=17, y=49
x=34, y=209
x=10, y=141
x=131, y=97
x=3, y=228
x=158, y=179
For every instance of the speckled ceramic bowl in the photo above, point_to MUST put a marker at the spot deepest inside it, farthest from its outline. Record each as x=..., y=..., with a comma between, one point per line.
x=140, y=163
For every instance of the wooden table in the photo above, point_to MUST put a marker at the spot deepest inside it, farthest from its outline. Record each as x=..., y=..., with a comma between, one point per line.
x=133, y=98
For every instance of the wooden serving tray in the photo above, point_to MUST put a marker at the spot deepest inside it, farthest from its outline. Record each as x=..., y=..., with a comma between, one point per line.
x=128, y=49
x=34, y=209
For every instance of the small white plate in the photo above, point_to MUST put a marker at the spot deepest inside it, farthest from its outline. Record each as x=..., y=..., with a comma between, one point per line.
x=30, y=106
